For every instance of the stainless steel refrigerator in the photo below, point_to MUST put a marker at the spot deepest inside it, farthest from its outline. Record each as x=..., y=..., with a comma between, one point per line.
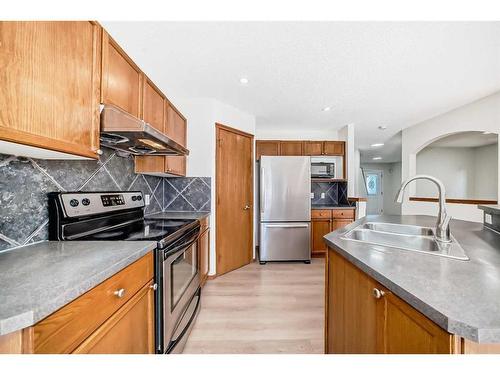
x=285, y=208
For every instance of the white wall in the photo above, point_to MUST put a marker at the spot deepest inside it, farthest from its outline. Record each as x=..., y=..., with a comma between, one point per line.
x=466, y=172
x=482, y=115
x=391, y=183
x=202, y=115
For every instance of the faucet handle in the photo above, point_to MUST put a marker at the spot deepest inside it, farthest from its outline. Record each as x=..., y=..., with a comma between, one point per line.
x=446, y=221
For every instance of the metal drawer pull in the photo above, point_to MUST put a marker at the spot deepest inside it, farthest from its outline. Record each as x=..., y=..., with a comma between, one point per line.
x=119, y=293
x=377, y=293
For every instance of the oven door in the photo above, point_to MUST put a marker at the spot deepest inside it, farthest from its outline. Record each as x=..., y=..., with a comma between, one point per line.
x=180, y=282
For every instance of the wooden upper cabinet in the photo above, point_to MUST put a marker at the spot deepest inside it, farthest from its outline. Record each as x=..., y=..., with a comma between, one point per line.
x=291, y=148
x=121, y=78
x=266, y=148
x=153, y=109
x=49, y=85
x=333, y=148
x=313, y=148
x=176, y=127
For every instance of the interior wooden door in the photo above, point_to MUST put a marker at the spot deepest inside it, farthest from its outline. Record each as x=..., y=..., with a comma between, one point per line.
x=234, y=199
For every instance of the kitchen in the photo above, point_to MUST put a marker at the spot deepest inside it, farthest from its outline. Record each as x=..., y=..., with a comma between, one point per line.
x=141, y=215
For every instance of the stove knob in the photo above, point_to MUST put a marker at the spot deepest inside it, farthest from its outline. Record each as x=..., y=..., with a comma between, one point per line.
x=73, y=202
x=134, y=198
x=85, y=201
x=139, y=198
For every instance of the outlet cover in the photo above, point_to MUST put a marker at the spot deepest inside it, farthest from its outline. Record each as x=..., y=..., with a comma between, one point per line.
x=146, y=199
x=312, y=195
x=323, y=195
x=488, y=219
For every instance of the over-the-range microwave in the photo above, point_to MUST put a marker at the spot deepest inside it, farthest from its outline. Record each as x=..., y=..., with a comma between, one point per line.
x=331, y=167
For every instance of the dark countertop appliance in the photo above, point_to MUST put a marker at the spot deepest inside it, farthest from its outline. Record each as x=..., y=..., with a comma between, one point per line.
x=119, y=216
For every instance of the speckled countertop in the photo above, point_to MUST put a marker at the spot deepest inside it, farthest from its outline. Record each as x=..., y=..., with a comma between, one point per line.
x=180, y=215
x=463, y=297
x=38, y=279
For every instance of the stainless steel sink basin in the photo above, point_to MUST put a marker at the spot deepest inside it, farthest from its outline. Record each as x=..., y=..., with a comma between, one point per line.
x=399, y=229
x=405, y=237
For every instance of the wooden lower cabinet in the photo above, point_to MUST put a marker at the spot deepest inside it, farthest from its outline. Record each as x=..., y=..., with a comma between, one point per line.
x=116, y=316
x=359, y=322
x=129, y=331
x=204, y=254
x=326, y=221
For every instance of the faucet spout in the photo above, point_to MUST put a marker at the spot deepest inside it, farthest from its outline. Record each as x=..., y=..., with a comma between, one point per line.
x=442, y=232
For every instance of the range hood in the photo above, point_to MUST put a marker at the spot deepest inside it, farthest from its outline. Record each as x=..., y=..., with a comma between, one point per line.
x=124, y=132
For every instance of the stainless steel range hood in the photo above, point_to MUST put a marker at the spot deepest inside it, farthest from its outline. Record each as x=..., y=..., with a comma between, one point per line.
x=122, y=131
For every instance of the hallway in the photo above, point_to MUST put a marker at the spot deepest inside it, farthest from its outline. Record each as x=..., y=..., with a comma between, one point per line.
x=275, y=308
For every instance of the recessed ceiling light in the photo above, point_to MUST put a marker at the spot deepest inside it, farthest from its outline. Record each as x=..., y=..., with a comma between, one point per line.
x=377, y=145
x=377, y=158
x=326, y=109
x=244, y=81
x=382, y=127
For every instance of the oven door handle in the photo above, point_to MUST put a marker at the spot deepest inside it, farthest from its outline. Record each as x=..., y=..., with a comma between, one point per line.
x=181, y=247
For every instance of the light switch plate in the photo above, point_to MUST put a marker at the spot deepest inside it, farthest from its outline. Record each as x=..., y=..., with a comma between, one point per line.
x=323, y=195
x=488, y=219
x=146, y=199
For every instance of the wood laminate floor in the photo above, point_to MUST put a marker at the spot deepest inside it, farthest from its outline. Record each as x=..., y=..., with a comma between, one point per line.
x=275, y=308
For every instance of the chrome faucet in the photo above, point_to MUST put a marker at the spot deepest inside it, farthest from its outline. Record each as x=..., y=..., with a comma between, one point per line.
x=442, y=232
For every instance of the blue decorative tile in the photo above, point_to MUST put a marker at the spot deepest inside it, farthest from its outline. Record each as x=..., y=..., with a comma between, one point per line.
x=102, y=181
x=197, y=193
x=180, y=204
x=23, y=198
x=122, y=170
x=180, y=183
x=169, y=193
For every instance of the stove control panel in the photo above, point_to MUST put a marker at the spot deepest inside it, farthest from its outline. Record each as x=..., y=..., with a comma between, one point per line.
x=82, y=204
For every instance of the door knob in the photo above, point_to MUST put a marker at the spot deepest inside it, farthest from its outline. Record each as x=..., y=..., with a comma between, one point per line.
x=246, y=207
x=377, y=293
x=119, y=293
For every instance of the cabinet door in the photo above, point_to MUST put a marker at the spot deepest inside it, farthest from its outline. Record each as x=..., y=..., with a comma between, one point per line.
x=175, y=165
x=291, y=148
x=129, y=331
x=153, y=106
x=49, y=85
x=407, y=331
x=204, y=248
x=313, y=148
x=121, y=78
x=340, y=223
x=319, y=228
x=333, y=148
x=176, y=126
x=267, y=148
x=351, y=311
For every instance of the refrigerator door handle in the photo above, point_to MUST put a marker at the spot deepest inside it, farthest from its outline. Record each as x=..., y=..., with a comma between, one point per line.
x=262, y=192
x=287, y=225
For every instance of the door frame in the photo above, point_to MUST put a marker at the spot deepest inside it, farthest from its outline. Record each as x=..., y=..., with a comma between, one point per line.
x=218, y=128
x=380, y=196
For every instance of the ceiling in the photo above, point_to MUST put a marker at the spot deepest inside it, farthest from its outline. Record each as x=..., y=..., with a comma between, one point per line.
x=394, y=74
x=466, y=139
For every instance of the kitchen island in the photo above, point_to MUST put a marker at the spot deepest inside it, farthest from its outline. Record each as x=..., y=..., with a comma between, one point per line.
x=453, y=302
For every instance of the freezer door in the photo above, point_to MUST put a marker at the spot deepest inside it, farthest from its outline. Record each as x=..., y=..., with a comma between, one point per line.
x=285, y=241
x=285, y=188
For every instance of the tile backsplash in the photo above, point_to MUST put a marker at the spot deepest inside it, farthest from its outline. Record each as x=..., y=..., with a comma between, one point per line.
x=335, y=193
x=25, y=182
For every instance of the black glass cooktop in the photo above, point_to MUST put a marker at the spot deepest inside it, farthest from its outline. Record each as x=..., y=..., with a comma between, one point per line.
x=142, y=230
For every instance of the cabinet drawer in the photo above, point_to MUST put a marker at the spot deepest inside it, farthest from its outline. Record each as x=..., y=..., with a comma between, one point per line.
x=65, y=329
x=343, y=214
x=321, y=214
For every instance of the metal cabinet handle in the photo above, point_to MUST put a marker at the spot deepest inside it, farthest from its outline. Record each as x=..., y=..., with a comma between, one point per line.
x=377, y=293
x=246, y=207
x=119, y=293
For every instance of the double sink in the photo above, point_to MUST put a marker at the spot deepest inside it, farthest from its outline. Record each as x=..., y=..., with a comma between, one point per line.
x=405, y=237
